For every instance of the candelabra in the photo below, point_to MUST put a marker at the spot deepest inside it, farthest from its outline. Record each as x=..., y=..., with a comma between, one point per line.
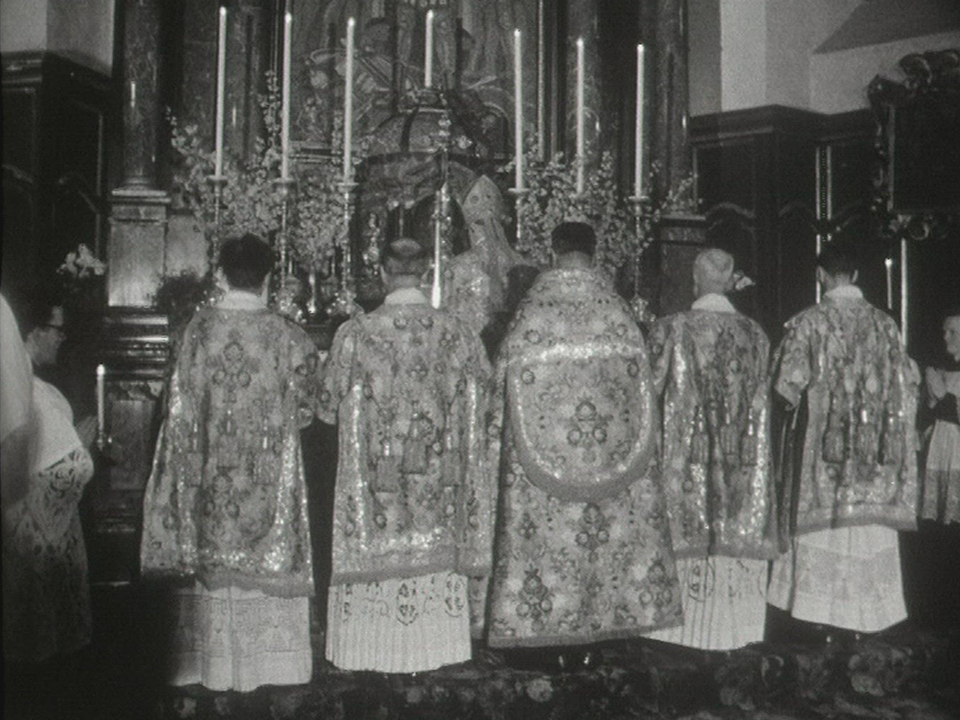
x=219, y=182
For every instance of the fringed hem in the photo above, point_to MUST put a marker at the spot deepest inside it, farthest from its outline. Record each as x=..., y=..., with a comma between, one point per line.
x=403, y=572
x=905, y=520
x=279, y=587
x=578, y=639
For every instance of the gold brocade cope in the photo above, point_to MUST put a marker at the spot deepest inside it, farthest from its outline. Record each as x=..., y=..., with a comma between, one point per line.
x=583, y=549
x=582, y=418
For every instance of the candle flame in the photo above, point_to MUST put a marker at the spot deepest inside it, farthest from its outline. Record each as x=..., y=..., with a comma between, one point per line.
x=101, y=371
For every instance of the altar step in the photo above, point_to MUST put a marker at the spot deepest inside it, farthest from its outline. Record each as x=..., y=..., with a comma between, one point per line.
x=904, y=674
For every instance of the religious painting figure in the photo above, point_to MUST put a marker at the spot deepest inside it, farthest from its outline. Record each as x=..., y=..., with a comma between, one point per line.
x=226, y=502
x=583, y=550
x=46, y=593
x=941, y=480
x=710, y=372
x=850, y=475
x=414, y=499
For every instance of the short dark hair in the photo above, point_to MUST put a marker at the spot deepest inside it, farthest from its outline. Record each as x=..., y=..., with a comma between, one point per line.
x=405, y=256
x=568, y=237
x=838, y=258
x=246, y=261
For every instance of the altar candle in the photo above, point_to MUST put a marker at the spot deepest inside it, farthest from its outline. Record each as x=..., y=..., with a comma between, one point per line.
x=638, y=137
x=428, y=52
x=221, y=90
x=904, y=317
x=580, y=80
x=437, y=253
x=133, y=95
x=889, y=264
x=285, y=97
x=101, y=374
x=541, y=83
x=348, y=105
x=517, y=111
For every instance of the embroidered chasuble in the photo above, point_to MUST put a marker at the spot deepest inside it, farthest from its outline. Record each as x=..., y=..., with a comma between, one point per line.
x=583, y=547
x=855, y=461
x=710, y=372
x=226, y=500
x=408, y=386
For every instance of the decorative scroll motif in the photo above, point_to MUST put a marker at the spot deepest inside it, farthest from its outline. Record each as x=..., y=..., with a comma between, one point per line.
x=916, y=184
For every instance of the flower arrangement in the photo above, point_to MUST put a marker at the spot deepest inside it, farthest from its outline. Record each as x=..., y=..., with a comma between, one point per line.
x=82, y=264
x=551, y=198
x=253, y=196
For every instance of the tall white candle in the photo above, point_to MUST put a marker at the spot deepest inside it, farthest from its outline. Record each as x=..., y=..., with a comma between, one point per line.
x=348, y=105
x=904, y=289
x=541, y=82
x=638, y=136
x=133, y=94
x=221, y=90
x=101, y=413
x=428, y=52
x=285, y=98
x=435, y=298
x=517, y=110
x=580, y=119
x=889, y=265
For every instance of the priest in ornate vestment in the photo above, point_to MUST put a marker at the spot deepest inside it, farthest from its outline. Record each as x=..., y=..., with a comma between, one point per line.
x=850, y=475
x=414, y=498
x=477, y=281
x=583, y=549
x=226, y=503
x=710, y=371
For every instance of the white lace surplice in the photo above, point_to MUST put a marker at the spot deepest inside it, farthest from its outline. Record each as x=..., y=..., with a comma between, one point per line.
x=234, y=639
x=941, y=493
x=847, y=577
x=724, y=603
x=399, y=625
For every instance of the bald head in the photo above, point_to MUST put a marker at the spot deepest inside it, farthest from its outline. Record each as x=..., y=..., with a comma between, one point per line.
x=713, y=272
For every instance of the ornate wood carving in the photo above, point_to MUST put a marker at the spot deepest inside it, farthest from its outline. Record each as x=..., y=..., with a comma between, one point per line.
x=918, y=144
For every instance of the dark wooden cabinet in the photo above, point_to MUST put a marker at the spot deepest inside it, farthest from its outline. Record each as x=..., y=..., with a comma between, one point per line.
x=57, y=122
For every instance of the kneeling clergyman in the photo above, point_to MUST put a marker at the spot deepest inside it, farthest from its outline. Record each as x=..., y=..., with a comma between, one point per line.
x=583, y=548
x=850, y=475
x=710, y=370
x=226, y=502
x=414, y=498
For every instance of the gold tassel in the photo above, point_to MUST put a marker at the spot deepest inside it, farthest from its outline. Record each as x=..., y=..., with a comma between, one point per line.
x=700, y=443
x=892, y=439
x=835, y=437
x=748, y=445
x=867, y=439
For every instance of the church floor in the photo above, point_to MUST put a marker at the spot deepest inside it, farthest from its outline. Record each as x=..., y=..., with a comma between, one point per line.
x=905, y=673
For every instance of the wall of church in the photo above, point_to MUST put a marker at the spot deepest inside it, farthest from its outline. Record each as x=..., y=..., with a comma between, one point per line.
x=81, y=30
x=838, y=80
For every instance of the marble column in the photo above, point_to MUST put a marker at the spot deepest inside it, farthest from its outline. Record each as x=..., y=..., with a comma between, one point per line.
x=138, y=209
x=670, y=149
x=680, y=233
